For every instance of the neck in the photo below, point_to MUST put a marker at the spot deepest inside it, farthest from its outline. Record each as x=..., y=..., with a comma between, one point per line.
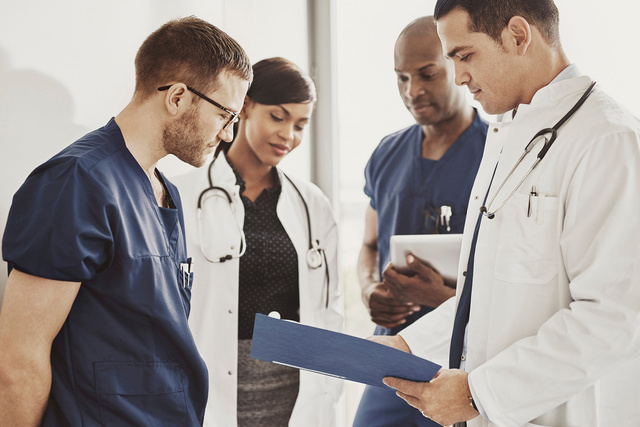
x=437, y=138
x=142, y=132
x=545, y=66
x=256, y=175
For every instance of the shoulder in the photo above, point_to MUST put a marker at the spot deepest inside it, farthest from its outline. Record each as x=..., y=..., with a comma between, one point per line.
x=393, y=146
x=479, y=125
x=316, y=200
x=310, y=191
x=602, y=121
x=608, y=117
x=396, y=139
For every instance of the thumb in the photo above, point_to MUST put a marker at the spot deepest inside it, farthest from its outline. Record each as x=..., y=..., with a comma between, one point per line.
x=420, y=267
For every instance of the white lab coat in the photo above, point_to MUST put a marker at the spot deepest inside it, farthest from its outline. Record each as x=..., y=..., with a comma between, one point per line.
x=214, y=302
x=554, y=331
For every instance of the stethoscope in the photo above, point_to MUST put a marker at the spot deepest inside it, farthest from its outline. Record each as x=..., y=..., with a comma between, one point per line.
x=315, y=256
x=486, y=208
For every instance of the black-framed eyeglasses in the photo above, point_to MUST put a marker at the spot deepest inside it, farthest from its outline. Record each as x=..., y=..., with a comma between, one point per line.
x=233, y=116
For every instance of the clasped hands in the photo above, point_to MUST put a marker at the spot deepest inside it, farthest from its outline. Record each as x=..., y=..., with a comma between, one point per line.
x=399, y=295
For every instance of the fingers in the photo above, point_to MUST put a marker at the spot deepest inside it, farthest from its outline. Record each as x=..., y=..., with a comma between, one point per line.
x=390, y=315
x=395, y=341
x=405, y=387
x=423, y=269
x=387, y=320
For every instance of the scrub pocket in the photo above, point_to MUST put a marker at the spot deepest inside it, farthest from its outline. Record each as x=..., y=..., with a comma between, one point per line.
x=185, y=282
x=141, y=394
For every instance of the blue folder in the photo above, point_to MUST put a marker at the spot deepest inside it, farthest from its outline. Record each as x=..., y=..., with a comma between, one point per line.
x=331, y=353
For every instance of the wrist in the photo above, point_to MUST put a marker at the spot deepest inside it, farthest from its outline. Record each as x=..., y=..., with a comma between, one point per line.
x=367, y=289
x=472, y=403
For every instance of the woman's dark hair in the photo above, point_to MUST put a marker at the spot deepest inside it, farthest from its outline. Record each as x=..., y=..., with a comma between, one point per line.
x=492, y=16
x=280, y=81
x=277, y=81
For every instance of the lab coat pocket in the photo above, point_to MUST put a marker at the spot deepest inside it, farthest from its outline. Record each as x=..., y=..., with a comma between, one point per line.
x=139, y=393
x=527, y=243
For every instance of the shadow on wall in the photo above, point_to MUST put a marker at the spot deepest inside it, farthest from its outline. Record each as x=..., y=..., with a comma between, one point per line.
x=36, y=114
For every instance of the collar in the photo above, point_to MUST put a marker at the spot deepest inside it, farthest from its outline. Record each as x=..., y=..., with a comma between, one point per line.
x=240, y=181
x=570, y=72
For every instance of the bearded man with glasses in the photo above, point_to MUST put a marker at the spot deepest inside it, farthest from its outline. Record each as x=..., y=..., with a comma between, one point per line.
x=93, y=327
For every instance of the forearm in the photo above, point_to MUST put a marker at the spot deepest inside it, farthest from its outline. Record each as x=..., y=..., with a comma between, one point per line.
x=33, y=311
x=368, y=271
x=24, y=392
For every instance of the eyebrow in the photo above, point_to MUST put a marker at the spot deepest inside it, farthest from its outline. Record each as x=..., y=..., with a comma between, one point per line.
x=304, y=119
x=284, y=110
x=455, y=51
x=419, y=69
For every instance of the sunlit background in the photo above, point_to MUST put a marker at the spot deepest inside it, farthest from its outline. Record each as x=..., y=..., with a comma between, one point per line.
x=66, y=67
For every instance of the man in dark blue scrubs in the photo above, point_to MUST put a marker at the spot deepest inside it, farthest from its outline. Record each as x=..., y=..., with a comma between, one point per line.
x=93, y=327
x=410, y=177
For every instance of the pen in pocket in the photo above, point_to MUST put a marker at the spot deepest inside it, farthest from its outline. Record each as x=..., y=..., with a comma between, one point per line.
x=533, y=193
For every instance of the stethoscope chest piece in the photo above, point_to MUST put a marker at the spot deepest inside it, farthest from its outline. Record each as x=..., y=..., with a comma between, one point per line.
x=314, y=258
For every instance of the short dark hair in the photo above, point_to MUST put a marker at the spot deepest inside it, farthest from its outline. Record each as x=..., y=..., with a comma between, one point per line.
x=492, y=16
x=190, y=51
x=280, y=81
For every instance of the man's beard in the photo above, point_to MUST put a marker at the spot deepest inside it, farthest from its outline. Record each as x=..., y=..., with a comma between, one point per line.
x=181, y=139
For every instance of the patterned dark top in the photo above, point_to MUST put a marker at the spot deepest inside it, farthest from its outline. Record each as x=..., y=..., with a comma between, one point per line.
x=269, y=267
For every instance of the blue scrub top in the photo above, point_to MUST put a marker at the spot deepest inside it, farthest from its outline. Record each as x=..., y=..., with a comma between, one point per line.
x=407, y=190
x=125, y=355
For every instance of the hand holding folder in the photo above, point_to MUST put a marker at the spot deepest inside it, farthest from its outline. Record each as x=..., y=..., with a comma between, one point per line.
x=335, y=354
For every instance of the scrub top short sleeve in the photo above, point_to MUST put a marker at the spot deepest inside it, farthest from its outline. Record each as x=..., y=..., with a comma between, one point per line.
x=67, y=231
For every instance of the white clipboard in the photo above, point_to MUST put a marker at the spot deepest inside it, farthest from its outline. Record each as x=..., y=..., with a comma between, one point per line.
x=442, y=251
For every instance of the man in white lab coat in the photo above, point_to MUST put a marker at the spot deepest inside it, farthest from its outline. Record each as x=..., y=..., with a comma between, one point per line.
x=547, y=313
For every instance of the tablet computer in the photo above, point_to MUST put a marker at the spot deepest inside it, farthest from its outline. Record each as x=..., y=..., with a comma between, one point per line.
x=442, y=251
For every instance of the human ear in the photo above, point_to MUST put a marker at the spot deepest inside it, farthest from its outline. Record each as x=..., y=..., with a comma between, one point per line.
x=519, y=33
x=246, y=106
x=174, y=99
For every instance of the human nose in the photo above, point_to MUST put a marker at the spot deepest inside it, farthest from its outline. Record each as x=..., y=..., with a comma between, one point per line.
x=286, y=131
x=462, y=76
x=414, y=89
x=226, y=134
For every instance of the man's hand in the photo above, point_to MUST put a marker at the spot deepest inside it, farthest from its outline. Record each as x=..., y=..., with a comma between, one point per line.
x=445, y=399
x=384, y=308
x=425, y=287
x=395, y=341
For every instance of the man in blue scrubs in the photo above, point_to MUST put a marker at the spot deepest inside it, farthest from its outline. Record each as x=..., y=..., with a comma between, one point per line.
x=410, y=176
x=93, y=327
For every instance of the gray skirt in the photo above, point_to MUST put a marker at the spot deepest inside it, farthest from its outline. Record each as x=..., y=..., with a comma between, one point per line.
x=266, y=392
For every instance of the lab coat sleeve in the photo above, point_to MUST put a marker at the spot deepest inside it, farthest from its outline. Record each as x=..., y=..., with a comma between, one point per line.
x=600, y=330
x=430, y=336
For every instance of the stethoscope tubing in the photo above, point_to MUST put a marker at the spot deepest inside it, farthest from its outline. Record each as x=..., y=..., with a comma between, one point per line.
x=553, y=131
x=315, y=256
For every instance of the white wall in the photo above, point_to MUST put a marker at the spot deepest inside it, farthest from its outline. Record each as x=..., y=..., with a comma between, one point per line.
x=66, y=68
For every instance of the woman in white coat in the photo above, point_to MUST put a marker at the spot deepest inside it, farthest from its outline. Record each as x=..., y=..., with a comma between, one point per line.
x=262, y=242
